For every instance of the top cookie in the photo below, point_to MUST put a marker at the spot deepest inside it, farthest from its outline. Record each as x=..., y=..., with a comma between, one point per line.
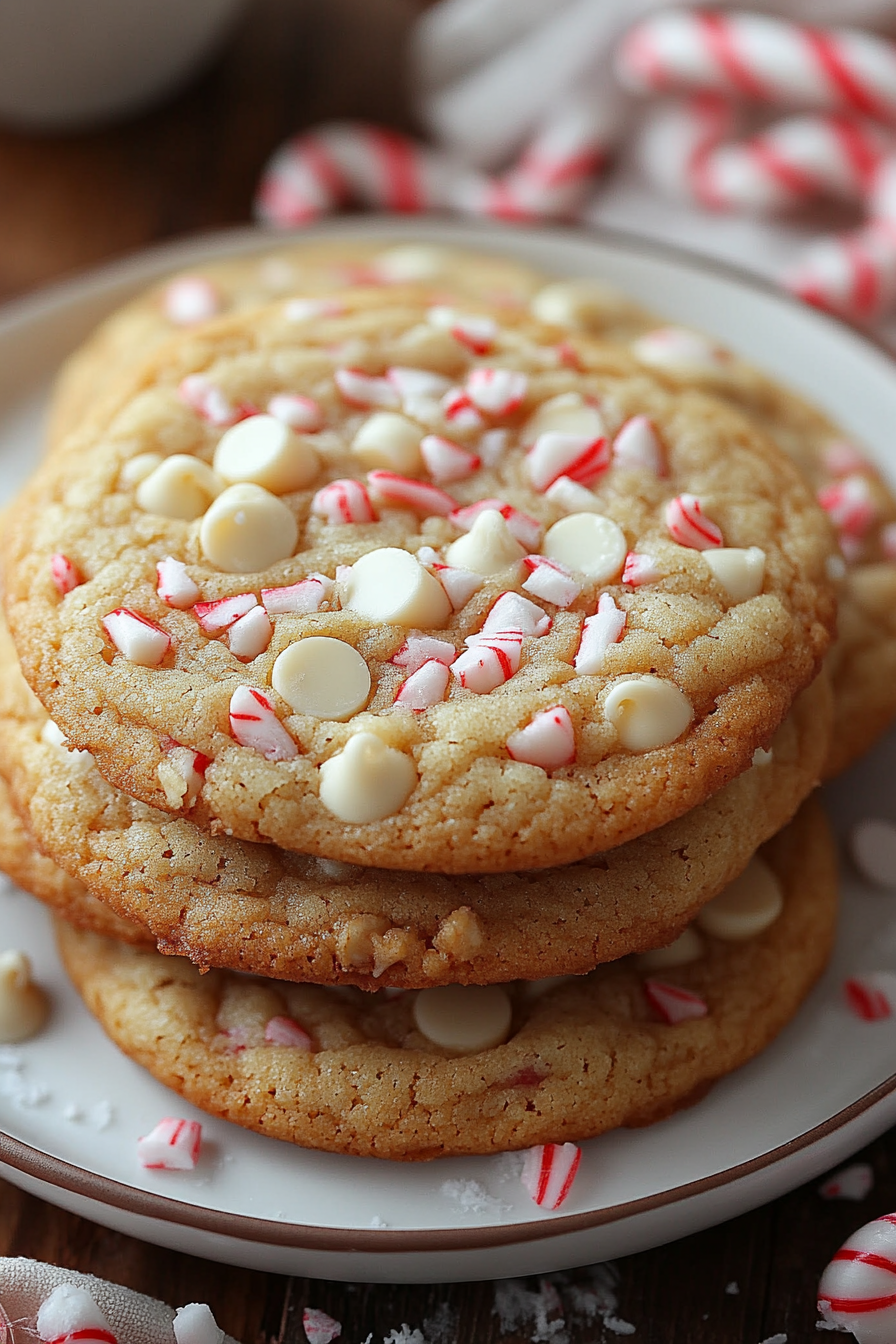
x=441, y=600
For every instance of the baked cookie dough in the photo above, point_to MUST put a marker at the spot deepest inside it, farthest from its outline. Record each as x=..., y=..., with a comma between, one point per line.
x=478, y=1070
x=302, y=271
x=862, y=661
x=312, y=680
x=227, y=902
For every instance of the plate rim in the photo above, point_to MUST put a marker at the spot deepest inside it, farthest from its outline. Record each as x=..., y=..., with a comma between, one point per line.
x=145, y=264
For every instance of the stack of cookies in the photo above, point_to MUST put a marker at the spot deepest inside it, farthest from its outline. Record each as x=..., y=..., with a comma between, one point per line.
x=408, y=656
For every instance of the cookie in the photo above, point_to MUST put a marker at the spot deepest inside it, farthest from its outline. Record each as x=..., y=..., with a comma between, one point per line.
x=303, y=270
x=227, y=902
x=478, y=1070
x=862, y=661
x=23, y=862
x=445, y=706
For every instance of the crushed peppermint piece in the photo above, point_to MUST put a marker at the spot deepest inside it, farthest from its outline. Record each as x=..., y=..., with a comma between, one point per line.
x=195, y=1324
x=301, y=413
x=550, y=581
x=872, y=996
x=365, y=390
x=459, y=411
x=425, y=687
x=446, y=461
x=174, y=586
x=70, y=1313
x=640, y=568
x=599, y=631
x=689, y=526
x=286, y=1031
x=250, y=635
x=732, y=1288
x=853, y=1182
x=490, y=662
x=477, y=333
x=672, y=1003
x=525, y=528
x=850, y=505
x=319, y=1327
x=410, y=382
x=459, y=584
x=549, y=1171
x=390, y=488
x=548, y=740
x=420, y=649
x=190, y=299
x=207, y=400
x=637, y=444
x=141, y=641
x=65, y=575
x=298, y=598
x=343, y=501
x=222, y=613
x=254, y=724
x=172, y=1146
x=573, y=456
x=497, y=391
x=512, y=611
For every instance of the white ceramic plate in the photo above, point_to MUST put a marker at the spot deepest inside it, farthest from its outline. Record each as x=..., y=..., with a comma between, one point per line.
x=72, y=1107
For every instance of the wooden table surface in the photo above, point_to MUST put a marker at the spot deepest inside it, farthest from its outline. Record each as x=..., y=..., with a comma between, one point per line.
x=69, y=202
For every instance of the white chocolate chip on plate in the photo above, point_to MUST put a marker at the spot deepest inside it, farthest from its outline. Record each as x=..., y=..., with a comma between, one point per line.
x=322, y=676
x=588, y=543
x=647, y=712
x=24, y=1007
x=367, y=780
x=179, y=487
x=569, y=413
x=247, y=529
x=687, y=947
x=739, y=570
x=266, y=451
x=466, y=1018
x=390, y=585
x=746, y=907
x=391, y=441
x=489, y=546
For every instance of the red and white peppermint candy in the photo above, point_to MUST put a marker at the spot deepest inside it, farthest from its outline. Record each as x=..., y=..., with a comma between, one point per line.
x=872, y=996
x=512, y=611
x=523, y=526
x=549, y=1171
x=286, y=1031
x=689, y=526
x=497, y=391
x=460, y=584
x=672, y=1003
x=301, y=413
x=174, y=586
x=344, y=501
x=172, y=1146
x=420, y=649
x=547, y=740
x=254, y=723
x=207, y=400
x=140, y=640
x=195, y=1324
x=70, y=1313
x=447, y=461
x=551, y=581
x=250, y=635
x=189, y=299
x=223, y=612
x=640, y=568
x=459, y=411
x=850, y=505
x=853, y=1182
x=319, y=1327
x=65, y=575
x=857, y=1291
x=366, y=390
x=638, y=445
x=298, y=598
x=409, y=382
x=599, y=631
x=575, y=456
x=191, y=766
x=390, y=488
x=476, y=333
x=489, y=661
x=852, y=274
x=425, y=687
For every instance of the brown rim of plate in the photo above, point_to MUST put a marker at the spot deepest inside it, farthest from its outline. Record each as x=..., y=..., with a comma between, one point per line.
x=238, y=1227
x=143, y=1203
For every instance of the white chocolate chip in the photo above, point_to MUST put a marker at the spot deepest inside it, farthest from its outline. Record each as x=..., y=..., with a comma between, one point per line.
x=873, y=846
x=136, y=469
x=389, y=585
x=687, y=947
x=589, y=543
x=24, y=1007
x=322, y=676
x=647, y=712
x=489, y=546
x=466, y=1018
x=391, y=441
x=740, y=571
x=569, y=413
x=747, y=906
x=247, y=529
x=572, y=497
x=367, y=780
x=179, y=487
x=266, y=451
x=577, y=303
x=407, y=262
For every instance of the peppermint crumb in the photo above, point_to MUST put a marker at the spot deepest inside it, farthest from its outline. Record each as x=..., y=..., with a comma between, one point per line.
x=732, y=1288
x=775, y=1339
x=472, y=1197
x=377, y=1221
x=404, y=1335
x=441, y=1327
x=619, y=1327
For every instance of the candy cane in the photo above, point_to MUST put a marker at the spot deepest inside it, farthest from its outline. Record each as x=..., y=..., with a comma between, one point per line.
x=672, y=1003
x=65, y=574
x=761, y=58
x=172, y=1146
x=857, y=1291
x=689, y=525
x=549, y=1171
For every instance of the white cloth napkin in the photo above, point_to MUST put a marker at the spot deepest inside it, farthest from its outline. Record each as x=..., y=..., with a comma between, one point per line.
x=135, y=1318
